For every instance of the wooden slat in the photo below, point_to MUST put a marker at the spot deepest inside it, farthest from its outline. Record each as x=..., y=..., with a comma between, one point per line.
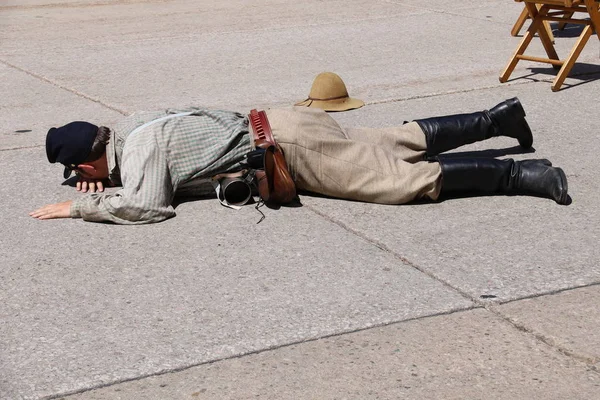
x=593, y=8
x=568, y=20
x=562, y=11
x=563, y=3
x=540, y=59
x=533, y=28
x=521, y=21
x=538, y=16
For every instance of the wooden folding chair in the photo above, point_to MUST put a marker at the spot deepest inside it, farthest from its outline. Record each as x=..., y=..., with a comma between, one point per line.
x=561, y=11
x=524, y=17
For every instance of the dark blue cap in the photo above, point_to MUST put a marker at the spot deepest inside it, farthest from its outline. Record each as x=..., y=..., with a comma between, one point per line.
x=71, y=144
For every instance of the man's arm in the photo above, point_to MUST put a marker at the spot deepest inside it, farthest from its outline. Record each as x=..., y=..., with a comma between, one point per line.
x=51, y=211
x=146, y=195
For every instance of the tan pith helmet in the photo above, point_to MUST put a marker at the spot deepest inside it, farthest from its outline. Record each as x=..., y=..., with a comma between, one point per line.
x=329, y=93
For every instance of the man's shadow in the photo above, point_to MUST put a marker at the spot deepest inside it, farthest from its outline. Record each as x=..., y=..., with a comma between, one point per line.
x=182, y=199
x=72, y=181
x=253, y=202
x=488, y=153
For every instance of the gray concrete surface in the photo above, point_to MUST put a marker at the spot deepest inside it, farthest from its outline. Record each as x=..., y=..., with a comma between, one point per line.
x=468, y=298
x=468, y=355
x=565, y=320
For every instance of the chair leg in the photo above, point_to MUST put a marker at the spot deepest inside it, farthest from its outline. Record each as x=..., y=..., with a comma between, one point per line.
x=548, y=30
x=536, y=26
x=520, y=22
x=547, y=42
x=594, y=12
x=541, y=27
x=570, y=61
x=561, y=25
x=514, y=60
x=547, y=27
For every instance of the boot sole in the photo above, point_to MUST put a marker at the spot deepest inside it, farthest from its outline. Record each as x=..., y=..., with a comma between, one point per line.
x=527, y=141
x=563, y=196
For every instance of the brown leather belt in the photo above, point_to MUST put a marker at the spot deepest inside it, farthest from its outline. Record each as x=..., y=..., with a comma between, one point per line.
x=275, y=184
x=261, y=129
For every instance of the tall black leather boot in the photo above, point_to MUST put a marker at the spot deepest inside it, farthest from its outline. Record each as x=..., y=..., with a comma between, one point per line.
x=488, y=175
x=452, y=131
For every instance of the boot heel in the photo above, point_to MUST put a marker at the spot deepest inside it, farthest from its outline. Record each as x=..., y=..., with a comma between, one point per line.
x=509, y=118
x=562, y=197
x=517, y=108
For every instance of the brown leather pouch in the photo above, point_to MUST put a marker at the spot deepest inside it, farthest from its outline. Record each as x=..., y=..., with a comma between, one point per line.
x=275, y=184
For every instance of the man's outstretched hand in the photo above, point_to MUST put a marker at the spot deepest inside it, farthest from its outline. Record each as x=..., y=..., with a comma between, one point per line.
x=51, y=211
x=83, y=185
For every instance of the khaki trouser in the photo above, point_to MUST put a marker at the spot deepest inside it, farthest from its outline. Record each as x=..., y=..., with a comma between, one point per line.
x=373, y=165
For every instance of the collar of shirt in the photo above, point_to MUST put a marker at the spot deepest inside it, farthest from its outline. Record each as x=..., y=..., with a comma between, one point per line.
x=114, y=174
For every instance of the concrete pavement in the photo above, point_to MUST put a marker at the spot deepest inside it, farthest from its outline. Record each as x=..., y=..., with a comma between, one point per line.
x=468, y=298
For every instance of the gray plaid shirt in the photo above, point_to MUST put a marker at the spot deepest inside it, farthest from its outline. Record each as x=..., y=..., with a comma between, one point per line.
x=180, y=155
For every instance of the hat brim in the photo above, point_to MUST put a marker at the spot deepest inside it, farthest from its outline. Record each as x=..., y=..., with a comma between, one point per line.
x=344, y=104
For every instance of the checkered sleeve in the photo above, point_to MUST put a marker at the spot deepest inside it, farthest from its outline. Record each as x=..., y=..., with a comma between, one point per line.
x=146, y=195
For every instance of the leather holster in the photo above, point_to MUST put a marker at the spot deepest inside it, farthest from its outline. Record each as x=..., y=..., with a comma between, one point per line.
x=274, y=181
x=275, y=184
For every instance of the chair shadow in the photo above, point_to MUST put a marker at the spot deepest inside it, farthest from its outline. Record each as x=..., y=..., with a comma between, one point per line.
x=584, y=72
x=569, y=31
x=465, y=195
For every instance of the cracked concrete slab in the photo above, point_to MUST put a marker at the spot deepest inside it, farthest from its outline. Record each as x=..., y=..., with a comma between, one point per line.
x=498, y=247
x=466, y=355
x=92, y=304
x=86, y=305
x=30, y=106
x=373, y=46
x=569, y=320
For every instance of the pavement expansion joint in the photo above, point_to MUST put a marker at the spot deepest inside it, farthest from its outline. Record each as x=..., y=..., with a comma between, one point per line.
x=588, y=361
x=522, y=80
x=549, y=293
x=403, y=259
x=259, y=351
x=444, y=12
x=288, y=27
x=452, y=92
x=70, y=90
x=23, y=147
x=72, y=5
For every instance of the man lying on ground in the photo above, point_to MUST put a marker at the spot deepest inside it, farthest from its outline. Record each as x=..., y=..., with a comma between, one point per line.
x=154, y=155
